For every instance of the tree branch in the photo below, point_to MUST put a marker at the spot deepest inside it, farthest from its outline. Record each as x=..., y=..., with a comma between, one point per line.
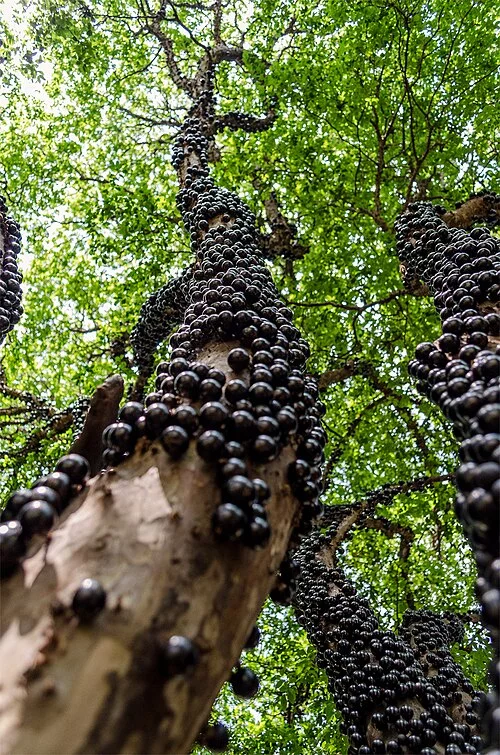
x=103, y=410
x=483, y=207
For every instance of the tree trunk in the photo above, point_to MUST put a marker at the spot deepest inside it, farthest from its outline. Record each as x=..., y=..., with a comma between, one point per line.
x=144, y=530
x=396, y=693
x=461, y=373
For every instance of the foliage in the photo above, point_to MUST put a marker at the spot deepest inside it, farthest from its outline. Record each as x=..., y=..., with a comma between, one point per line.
x=378, y=103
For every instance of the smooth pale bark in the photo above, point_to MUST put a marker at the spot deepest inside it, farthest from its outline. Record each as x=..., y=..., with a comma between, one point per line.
x=144, y=531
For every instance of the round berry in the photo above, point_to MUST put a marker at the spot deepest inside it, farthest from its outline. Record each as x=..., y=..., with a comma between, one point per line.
x=12, y=546
x=131, y=412
x=215, y=737
x=210, y=445
x=175, y=441
x=37, y=517
x=238, y=359
x=75, y=466
x=177, y=656
x=244, y=682
x=228, y=522
x=89, y=600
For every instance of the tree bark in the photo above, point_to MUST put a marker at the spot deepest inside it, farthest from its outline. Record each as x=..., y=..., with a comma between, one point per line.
x=143, y=530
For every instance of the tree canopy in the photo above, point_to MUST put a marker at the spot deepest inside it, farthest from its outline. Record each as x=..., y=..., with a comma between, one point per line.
x=373, y=105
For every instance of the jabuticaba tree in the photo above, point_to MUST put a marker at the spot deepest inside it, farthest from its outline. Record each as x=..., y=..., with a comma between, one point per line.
x=355, y=134
x=461, y=373
x=397, y=693
x=137, y=592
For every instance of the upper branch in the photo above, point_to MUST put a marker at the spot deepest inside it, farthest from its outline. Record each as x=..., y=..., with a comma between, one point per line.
x=185, y=83
x=235, y=121
x=485, y=207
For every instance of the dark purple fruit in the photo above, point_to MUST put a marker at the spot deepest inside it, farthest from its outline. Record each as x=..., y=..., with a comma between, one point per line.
x=12, y=546
x=238, y=359
x=37, y=517
x=211, y=445
x=177, y=655
x=89, y=600
x=131, y=412
x=175, y=441
x=228, y=522
x=157, y=418
x=244, y=682
x=215, y=737
x=75, y=466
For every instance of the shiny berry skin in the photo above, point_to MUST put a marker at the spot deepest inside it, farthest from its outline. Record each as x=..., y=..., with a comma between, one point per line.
x=217, y=375
x=75, y=466
x=12, y=546
x=213, y=415
x=257, y=533
x=175, y=441
x=228, y=522
x=120, y=437
x=152, y=398
x=234, y=466
x=489, y=418
x=37, y=517
x=235, y=390
x=157, y=419
x=287, y=421
x=177, y=366
x=261, y=488
x=210, y=390
x=215, y=737
x=260, y=393
x=187, y=384
x=130, y=412
x=187, y=417
x=44, y=493
x=239, y=489
x=210, y=445
x=58, y=482
x=238, y=359
x=268, y=426
x=200, y=369
x=244, y=683
x=111, y=457
x=264, y=448
x=176, y=656
x=233, y=448
x=242, y=425
x=16, y=501
x=89, y=600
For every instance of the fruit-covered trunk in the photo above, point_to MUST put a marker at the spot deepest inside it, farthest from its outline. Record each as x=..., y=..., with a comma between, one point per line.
x=124, y=618
x=460, y=372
